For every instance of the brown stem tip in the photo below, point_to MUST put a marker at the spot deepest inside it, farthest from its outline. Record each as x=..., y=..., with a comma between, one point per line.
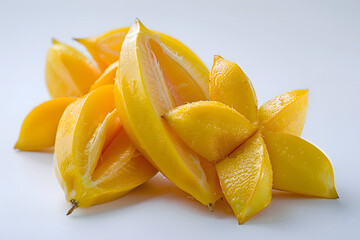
x=211, y=207
x=75, y=204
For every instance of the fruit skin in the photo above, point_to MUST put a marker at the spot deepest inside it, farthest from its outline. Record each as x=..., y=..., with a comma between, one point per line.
x=230, y=85
x=285, y=113
x=246, y=178
x=38, y=130
x=105, y=48
x=108, y=76
x=299, y=166
x=210, y=128
x=141, y=117
x=95, y=161
x=68, y=72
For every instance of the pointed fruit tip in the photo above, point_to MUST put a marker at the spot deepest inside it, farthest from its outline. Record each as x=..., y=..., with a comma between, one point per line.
x=54, y=41
x=217, y=57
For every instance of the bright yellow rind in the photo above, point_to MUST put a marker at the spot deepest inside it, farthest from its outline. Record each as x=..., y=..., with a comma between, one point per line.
x=140, y=112
x=299, y=166
x=246, y=178
x=38, y=130
x=230, y=85
x=285, y=113
x=68, y=72
x=210, y=128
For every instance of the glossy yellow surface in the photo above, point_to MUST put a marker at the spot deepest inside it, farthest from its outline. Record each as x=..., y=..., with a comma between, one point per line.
x=210, y=128
x=105, y=48
x=108, y=76
x=68, y=72
x=285, y=113
x=153, y=79
x=246, y=178
x=230, y=85
x=39, y=127
x=299, y=166
x=296, y=163
x=96, y=162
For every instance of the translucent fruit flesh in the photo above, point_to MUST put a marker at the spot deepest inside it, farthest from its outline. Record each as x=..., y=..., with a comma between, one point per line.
x=146, y=89
x=96, y=162
x=68, y=72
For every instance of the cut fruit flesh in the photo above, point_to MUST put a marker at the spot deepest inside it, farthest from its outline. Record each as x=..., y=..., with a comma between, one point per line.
x=105, y=48
x=210, y=128
x=95, y=160
x=38, y=130
x=68, y=72
x=143, y=96
x=230, y=85
x=108, y=76
x=299, y=166
x=246, y=178
x=285, y=113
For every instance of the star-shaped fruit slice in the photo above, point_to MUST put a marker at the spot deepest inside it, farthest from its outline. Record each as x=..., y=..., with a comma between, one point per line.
x=95, y=161
x=153, y=78
x=246, y=177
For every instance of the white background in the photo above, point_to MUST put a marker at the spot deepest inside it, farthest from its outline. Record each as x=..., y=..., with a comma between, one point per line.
x=281, y=45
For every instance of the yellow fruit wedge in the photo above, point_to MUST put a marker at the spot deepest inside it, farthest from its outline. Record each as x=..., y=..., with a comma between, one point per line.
x=230, y=85
x=96, y=162
x=246, y=178
x=152, y=79
x=105, y=48
x=285, y=113
x=39, y=127
x=299, y=166
x=108, y=76
x=68, y=72
x=210, y=128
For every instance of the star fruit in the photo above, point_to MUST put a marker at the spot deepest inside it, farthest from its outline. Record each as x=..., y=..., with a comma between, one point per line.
x=253, y=150
x=68, y=72
x=153, y=78
x=95, y=161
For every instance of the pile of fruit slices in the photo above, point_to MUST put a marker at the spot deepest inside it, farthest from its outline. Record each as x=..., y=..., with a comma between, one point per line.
x=116, y=123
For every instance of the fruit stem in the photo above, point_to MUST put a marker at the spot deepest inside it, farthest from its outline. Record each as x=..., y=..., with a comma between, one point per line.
x=211, y=207
x=75, y=204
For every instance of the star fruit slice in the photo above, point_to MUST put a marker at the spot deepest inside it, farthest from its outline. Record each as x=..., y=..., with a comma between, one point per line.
x=68, y=72
x=285, y=113
x=105, y=48
x=246, y=178
x=210, y=128
x=108, y=76
x=153, y=79
x=299, y=166
x=39, y=127
x=230, y=85
x=95, y=160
